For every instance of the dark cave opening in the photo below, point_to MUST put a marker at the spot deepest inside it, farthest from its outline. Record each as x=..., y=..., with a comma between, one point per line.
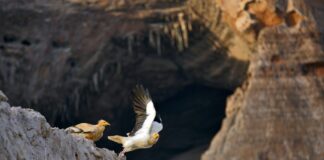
x=191, y=119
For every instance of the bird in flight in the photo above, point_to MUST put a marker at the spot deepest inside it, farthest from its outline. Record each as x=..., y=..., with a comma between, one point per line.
x=89, y=131
x=147, y=127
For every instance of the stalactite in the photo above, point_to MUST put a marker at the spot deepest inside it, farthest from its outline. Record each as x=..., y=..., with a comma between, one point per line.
x=151, y=38
x=130, y=44
x=102, y=72
x=158, y=43
x=95, y=82
x=76, y=101
x=179, y=38
x=118, y=68
x=189, y=26
x=184, y=30
x=173, y=35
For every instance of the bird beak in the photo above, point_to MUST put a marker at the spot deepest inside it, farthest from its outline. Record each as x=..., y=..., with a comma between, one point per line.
x=156, y=136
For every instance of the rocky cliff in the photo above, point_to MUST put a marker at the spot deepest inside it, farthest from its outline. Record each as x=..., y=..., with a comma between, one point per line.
x=25, y=134
x=76, y=60
x=279, y=112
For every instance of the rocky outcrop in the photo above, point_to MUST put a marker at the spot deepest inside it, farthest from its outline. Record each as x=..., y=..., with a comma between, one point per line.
x=25, y=134
x=279, y=112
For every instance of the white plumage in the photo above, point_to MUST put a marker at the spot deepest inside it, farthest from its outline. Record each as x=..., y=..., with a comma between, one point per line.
x=151, y=113
x=146, y=130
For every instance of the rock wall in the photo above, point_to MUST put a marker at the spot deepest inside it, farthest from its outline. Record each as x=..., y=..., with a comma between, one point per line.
x=77, y=62
x=279, y=112
x=25, y=134
x=55, y=54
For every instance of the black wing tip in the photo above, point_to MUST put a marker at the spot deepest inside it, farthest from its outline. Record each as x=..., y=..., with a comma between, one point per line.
x=139, y=89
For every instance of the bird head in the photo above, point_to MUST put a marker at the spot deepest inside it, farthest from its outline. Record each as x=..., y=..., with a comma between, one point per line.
x=103, y=123
x=154, y=138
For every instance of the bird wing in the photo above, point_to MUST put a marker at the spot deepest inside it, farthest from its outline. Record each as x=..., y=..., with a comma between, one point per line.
x=86, y=128
x=144, y=110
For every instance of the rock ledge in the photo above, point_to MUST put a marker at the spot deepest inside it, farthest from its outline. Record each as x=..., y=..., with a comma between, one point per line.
x=25, y=134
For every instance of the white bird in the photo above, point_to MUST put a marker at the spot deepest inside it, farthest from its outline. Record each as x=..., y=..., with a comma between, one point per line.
x=146, y=130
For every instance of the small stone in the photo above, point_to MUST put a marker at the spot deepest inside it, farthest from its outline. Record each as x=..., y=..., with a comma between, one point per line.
x=3, y=97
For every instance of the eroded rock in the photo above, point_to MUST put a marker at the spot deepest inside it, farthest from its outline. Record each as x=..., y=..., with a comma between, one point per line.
x=281, y=104
x=25, y=134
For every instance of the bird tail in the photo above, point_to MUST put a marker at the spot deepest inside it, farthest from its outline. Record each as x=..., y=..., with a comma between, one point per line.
x=117, y=139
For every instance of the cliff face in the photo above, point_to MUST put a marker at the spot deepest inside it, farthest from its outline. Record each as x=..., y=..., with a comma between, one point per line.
x=77, y=62
x=25, y=134
x=56, y=54
x=279, y=112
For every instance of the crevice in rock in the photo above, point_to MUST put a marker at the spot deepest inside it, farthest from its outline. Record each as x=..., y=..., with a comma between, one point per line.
x=268, y=17
x=59, y=44
x=314, y=68
x=26, y=42
x=9, y=38
x=293, y=18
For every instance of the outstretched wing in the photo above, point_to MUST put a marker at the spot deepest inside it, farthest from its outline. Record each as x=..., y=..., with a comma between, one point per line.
x=144, y=110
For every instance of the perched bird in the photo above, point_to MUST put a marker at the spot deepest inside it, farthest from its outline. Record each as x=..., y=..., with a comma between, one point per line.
x=146, y=130
x=89, y=131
